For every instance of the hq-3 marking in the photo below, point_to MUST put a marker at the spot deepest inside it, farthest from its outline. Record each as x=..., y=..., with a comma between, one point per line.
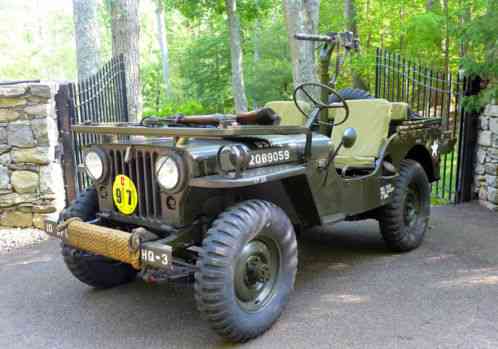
x=51, y=228
x=149, y=256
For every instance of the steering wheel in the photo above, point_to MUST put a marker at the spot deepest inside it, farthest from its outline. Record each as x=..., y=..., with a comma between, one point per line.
x=320, y=105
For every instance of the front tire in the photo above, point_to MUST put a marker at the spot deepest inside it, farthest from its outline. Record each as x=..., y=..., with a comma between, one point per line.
x=246, y=270
x=95, y=271
x=404, y=221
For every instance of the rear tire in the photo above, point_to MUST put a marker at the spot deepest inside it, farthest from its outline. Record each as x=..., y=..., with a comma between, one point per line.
x=95, y=271
x=404, y=221
x=246, y=270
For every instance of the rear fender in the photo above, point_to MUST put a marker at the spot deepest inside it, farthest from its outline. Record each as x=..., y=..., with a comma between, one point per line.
x=422, y=155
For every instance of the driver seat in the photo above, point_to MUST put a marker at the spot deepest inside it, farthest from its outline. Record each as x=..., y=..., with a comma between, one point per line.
x=370, y=118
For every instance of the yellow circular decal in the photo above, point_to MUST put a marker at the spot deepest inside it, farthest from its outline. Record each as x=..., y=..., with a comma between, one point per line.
x=124, y=194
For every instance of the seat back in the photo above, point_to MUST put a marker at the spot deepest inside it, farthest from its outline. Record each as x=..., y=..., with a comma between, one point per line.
x=370, y=118
x=288, y=111
x=399, y=112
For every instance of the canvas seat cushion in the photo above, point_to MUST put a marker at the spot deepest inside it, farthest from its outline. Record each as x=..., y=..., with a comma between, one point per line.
x=355, y=162
x=370, y=118
x=399, y=111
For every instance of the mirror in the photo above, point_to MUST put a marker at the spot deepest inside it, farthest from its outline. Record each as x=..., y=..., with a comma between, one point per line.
x=349, y=137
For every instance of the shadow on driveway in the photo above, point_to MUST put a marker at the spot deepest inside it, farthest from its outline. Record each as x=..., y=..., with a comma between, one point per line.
x=350, y=292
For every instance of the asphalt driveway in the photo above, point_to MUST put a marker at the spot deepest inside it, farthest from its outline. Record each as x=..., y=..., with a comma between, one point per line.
x=350, y=293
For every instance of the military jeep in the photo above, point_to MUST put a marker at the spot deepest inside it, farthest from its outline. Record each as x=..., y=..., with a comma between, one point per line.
x=222, y=197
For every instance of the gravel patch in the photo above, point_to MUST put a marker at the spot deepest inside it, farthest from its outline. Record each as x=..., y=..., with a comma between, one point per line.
x=15, y=238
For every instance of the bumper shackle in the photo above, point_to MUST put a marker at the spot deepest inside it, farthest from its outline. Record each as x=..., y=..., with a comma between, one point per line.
x=136, y=249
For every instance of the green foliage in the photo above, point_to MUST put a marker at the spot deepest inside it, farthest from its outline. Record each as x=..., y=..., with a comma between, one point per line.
x=188, y=107
x=40, y=44
x=205, y=70
x=481, y=35
x=202, y=9
x=152, y=85
x=269, y=77
x=37, y=41
x=424, y=37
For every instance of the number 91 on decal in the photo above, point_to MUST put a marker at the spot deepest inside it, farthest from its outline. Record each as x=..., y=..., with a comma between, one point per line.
x=124, y=194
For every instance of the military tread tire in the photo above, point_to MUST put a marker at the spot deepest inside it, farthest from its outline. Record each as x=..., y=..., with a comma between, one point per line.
x=95, y=271
x=223, y=282
x=404, y=221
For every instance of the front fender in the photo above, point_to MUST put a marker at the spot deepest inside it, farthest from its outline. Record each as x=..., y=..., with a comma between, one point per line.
x=250, y=177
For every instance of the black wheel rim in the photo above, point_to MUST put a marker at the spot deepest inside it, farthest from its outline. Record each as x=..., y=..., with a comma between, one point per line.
x=256, y=273
x=413, y=208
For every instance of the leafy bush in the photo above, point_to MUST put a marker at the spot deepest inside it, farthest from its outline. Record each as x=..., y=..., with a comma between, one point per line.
x=482, y=58
x=189, y=107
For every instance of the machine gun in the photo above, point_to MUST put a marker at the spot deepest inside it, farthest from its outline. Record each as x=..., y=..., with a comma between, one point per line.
x=344, y=43
x=261, y=117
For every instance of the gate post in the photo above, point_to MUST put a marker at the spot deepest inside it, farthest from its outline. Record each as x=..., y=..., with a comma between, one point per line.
x=467, y=143
x=64, y=120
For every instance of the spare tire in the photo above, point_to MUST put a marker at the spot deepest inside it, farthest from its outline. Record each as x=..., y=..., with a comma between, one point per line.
x=351, y=94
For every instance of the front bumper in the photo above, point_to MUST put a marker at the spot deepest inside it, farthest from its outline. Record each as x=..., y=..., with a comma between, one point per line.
x=111, y=243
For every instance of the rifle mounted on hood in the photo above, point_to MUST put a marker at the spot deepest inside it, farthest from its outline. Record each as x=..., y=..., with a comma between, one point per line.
x=262, y=117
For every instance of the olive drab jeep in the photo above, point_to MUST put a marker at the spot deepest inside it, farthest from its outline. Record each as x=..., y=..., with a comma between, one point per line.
x=220, y=198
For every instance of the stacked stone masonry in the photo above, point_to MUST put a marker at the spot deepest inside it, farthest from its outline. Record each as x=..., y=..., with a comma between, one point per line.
x=486, y=169
x=30, y=178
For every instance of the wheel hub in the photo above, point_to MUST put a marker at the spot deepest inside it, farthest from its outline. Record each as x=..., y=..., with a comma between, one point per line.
x=412, y=208
x=256, y=273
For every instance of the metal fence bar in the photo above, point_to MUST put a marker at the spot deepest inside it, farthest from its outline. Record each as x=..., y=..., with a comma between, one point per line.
x=100, y=98
x=431, y=93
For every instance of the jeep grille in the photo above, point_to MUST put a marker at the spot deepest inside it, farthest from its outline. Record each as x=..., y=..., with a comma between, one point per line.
x=140, y=168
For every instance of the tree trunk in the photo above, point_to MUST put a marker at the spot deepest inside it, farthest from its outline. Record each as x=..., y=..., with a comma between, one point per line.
x=350, y=16
x=257, y=48
x=447, y=38
x=163, y=45
x=238, y=85
x=87, y=37
x=125, y=40
x=369, y=36
x=465, y=17
x=433, y=5
x=302, y=16
x=351, y=20
x=401, y=21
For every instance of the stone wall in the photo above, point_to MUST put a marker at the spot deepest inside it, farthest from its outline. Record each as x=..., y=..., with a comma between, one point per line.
x=31, y=183
x=486, y=183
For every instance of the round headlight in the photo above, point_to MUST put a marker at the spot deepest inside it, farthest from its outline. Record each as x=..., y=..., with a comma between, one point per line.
x=233, y=159
x=167, y=173
x=94, y=165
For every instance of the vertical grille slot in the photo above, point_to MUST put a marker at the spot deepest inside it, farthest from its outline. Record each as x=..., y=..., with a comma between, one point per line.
x=141, y=169
x=139, y=183
x=155, y=191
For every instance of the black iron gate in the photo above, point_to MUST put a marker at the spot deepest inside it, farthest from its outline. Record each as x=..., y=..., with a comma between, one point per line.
x=433, y=93
x=100, y=98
